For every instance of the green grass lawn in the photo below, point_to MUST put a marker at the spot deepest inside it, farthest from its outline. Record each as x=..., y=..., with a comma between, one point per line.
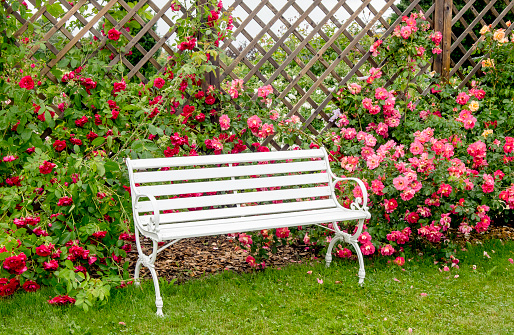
x=291, y=301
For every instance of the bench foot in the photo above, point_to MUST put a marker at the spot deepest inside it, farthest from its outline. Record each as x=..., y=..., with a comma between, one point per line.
x=148, y=262
x=136, y=271
x=159, y=304
x=362, y=272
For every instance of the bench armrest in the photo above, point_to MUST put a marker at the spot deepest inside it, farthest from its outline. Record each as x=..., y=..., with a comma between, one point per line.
x=153, y=223
x=358, y=204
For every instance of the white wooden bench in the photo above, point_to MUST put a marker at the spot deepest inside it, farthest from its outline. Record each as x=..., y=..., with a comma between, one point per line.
x=180, y=197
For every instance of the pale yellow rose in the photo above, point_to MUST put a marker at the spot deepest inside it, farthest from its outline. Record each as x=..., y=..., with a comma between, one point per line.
x=499, y=35
x=487, y=132
x=508, y=23
x=473, y=106
x=488, y=62
x=484, y=30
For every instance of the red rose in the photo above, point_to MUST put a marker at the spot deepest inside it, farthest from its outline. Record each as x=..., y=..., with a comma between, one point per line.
x=159, y=82
x=113, y=34
x=112, y=104
x=171, y=152
x=44, y=250
x=65, y=201
x=81, y=122
x=119, y=87
x=75, y=141
x=51, y=265
x=98, y=119
x=59, y=145
x=99, y=234
x=127, y=189
x=31, y=286
x=413, y=217
x=8, y=287
x=116, y=259
x=199, y=94
x=214, y=16
x=210, y=100
x=32, y=220
x=15, y=127
x=16, y=264
x=46, y=167
x=26, y=82
x=114, y=114
x=91, y=136
x=61, y=300
x=200, y=117
x=188, y=109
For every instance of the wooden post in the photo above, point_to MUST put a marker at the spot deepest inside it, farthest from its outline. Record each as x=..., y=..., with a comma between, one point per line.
x=443, y=23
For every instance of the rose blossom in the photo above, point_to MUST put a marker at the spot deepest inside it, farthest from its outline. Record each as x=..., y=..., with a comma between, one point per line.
x=224, y=122
x=26, y=82
x=113, y=34
x=158, y=82
x=46, y=167
x=15, y=264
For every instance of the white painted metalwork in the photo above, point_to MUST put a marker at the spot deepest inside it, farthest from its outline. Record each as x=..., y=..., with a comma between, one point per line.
x=260, y=191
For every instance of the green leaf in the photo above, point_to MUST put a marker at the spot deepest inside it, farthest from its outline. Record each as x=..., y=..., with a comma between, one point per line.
x=69, y=264
x=49, y=119
x=26, y=134
x=98, y=141
x=152, y=129
x=101, y=169
x=111, y=166
x=55, y=9
x=63, y=62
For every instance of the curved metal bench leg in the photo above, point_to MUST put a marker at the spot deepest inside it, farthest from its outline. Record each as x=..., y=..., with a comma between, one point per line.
x=362, y=272
x=354, y=241
x=158, y=299
x=328, y=257
x=139, y=260
x=148, y=261
x=136, y=271
x=150, y=265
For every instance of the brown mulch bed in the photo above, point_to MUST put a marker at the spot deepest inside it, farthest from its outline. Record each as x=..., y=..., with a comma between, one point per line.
x=200, y=256
x=197, y=257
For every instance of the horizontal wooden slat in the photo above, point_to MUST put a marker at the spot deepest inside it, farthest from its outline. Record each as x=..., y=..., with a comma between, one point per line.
x=235, y=225
x=219, y=213
x=232, y=199
x=151, y=163
x=230, y=171
x=232, y=185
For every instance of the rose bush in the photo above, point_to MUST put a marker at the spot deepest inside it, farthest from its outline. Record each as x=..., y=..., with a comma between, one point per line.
x=435, y=165
x=66, y=209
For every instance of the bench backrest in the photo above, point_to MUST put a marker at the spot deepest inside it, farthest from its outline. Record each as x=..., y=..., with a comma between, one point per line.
x=223, y=186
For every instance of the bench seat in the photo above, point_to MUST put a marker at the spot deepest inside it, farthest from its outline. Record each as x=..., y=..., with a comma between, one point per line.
x=253, y=223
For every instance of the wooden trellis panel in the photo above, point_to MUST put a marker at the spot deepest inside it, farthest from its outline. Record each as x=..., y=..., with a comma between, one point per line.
x=477, y=22
x=319, y=82
x=308, y=72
